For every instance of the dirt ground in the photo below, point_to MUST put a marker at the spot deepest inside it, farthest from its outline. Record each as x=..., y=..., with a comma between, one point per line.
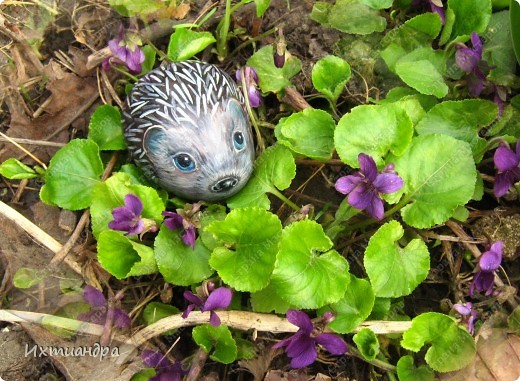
x=50, y=96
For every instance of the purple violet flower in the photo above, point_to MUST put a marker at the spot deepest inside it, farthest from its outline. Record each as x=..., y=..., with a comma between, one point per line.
x=468, y=313
x=126, y=50
x=364, y=188
x=301, y=347
x=489, y=262
x=251, y=82
x=507, y=163
x=187, y=220
x=214, y=299
x=99, y=309
x=164, y=369
x=470, y=61
x=128, y=218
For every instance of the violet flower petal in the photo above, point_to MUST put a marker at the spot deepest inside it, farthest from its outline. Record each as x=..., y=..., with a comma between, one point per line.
x=218, y=299
x=138, y=228
x=121, y=319
x=388, y=183
x=503, y=181
x=134, y=203
x=188, y=310
x=332, y=343
x=254, y=97
x=361, y=197
x=491, y=259
x=192, y=298
x=376, y=208
x=505, y=159
x=214, y=320
x=174, y=220
x=368, y=166
x=93, y=296
x=463, y=309
x=346, y=184
x=482, y=281
x=476, y=42
x=466, y=59
x=302, y=351
x=189, y=237
x=154, y=359
x=300, y=319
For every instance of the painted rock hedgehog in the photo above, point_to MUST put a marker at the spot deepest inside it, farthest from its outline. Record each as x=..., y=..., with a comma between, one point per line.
x=187, y=129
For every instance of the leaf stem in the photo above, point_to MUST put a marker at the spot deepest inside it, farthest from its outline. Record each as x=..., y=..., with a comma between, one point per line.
x=281, y=196
x=379, y=363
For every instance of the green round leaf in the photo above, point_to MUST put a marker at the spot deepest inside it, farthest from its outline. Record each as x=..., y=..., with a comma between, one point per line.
x=395, y=271
x=452, y=347
x=515, y=27
x=274, y=170
x=248, y=244
x=155, y=311
x=261, y=7
x=460, y=119
x=307, y=273
x=185, y=43
x=178, y=263
x=406, y=371
x=106, y=128
x=26, y=277
x=439, y=175
x=351, y=16
x=329, y=76
x=72, y=174
x=373, y=130
x=270, y=77
x=309, y=132
x=367, y=343
x=123, y=257
x=267, y=300
x=353, y=309
x=110, y=194
x=219, y=340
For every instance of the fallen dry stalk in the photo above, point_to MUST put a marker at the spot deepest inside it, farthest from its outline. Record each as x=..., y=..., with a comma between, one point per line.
x=242, y=320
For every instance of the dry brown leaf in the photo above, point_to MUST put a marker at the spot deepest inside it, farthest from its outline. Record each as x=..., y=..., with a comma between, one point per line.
x=497, y=359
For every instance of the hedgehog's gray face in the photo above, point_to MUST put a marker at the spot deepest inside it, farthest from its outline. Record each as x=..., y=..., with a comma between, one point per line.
x=211, y=162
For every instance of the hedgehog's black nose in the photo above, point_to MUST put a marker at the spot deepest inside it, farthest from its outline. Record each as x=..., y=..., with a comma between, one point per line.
x=224, y=184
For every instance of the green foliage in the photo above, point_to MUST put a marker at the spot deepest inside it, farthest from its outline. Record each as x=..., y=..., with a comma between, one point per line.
x=274, y=170
x=439, y=175
x=451, y=346
x=514, y=10
x=14, y=169
x=394, y=270
x=106, y=128
x=355, y=306
x=26, y=277
x=308, y=273
x=261, y=7
x=350, y=16
x=218, y=341
x=185, y=43
x=131, y=8
x=329, y=76
x=179, y=263
x=462, y=120
x=373, y=130
x=406, y=371
x=469, y=16
x=110, y=194
x=248, y=241
x=367, y=343
x=271, y=78
x=122, y=257
x=72, y=174
x=309, y=132
x=267, y=300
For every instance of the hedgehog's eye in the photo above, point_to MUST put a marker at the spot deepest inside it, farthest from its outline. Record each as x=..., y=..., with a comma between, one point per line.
x=184, y=162
x=238, y=141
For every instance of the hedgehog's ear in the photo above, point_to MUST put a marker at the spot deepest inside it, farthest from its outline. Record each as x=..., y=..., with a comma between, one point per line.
x=235, y=108
x=153, y=139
